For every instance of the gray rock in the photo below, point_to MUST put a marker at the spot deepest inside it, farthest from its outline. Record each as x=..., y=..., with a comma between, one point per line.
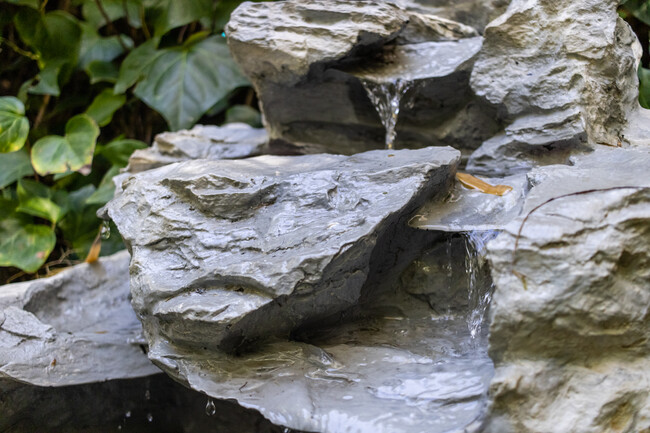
x=475, y=13
x=466, y=210
x=569, y=330
x=561, y=77
x=224, y=252
x=72, y=328
x=306, y=63
x=231, y=141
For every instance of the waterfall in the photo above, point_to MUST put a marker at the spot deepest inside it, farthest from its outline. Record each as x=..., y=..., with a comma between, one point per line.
x=386, y=97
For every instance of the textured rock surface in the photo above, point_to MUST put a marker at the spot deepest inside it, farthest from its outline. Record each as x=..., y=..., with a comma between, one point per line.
x=303, y=59
x=562, y=77
x=570, y=325
x=475, y=13
x=232, y=141
x=229, y=251
x=73, y=328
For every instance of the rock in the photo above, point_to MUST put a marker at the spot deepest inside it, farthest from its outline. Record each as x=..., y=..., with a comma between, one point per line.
x=467, y=210
x=72, y=328
x=562, y=78
x=225, y=252
x=475, y=13
x=231, y=141
x=306, y=63
x=569, y=330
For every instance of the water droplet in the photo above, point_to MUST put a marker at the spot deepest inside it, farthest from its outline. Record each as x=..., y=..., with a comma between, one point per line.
x=128, y=414
x=149, y=417
x=105, y=232
x=286, y=430
x=119, y=427
x=147, y=395
x=210, y=408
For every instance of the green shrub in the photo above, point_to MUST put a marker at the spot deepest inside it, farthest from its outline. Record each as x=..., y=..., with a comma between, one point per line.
x=83, y=83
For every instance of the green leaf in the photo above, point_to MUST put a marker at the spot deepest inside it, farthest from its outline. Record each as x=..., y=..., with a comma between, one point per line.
x=244, y=114
x=34, y=4
x=95, y=47
x=184, y=82
x=14, y=126
x=56, y=37
x=644, y=87
x=136, y=65
x=115, y=9
x=14, y=166
x=73, y=152
x=99, y=71
x=36, y=199
x=23, y=245
x=106, y=188
x=640, y=9
x=169, y=14
x=104, y=106
x=119, y=151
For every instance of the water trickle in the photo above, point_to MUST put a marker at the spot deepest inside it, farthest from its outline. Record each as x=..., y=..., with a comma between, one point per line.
x=147, y=395
x=386, y=98
x=210, y=408
x=105, y=231
x=480, y=286
x=149, y=417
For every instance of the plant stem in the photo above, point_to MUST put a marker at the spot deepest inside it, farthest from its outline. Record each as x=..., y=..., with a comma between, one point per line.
x=109, y=23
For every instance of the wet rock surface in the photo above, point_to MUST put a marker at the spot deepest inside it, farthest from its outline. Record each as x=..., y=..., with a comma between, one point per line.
x=224, y=252
x=73, y=328
x=231, y=141
x=562, y=78
x=304, y=62
x=570, y=321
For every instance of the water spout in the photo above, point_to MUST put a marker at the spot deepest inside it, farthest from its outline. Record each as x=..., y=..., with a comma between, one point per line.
x=386, y=97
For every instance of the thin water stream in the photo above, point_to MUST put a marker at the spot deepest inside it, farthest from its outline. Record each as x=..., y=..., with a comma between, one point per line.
x=387, y=97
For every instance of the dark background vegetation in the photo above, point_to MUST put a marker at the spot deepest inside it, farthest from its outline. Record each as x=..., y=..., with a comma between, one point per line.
x=83, y=83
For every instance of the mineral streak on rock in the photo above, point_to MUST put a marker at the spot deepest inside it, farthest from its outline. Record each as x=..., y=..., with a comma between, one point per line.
x=224, y=252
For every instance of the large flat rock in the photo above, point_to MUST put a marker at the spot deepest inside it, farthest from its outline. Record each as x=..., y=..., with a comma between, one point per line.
x=570, y=322
x=73, y=328
x=225, y=252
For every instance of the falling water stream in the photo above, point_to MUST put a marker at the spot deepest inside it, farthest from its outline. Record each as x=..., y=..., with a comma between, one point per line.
x=386, y=97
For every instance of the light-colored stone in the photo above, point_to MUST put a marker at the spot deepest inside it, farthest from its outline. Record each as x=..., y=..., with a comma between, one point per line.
x=561, y=76
x=306, y=62
x=570, y=320
x=73, y=328
x=231, y=141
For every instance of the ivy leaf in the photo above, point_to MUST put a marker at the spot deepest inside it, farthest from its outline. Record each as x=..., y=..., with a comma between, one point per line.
x=106, y=188
x=100, y=71
x=184, y=82
x=640, y=9
x=72, y=152
x=104, y=106
x=169, y=14
x=119, y=151
x=136, y=65
x=14, y=166
x=23, y=244
x=14, y=126
x=244, y=114
x=95, y=47
x=56, y=37
x=115, y=9
x=36, y=199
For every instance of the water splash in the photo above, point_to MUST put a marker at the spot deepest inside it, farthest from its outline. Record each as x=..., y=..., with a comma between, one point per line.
x=210, y=408
x=386, y=98
x=480, y=288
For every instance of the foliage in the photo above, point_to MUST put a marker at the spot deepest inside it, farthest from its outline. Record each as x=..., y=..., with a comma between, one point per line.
x=84, y=83
x=637, y=13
